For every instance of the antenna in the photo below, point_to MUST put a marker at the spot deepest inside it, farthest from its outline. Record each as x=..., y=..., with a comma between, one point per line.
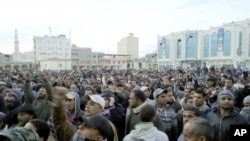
x=50, y=31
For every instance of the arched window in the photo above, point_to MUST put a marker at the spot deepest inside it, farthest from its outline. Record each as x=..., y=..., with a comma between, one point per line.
x=227, y=43
x=167, y=44
x=214, y=46
x=179, y=46
x=206, y=46
x=190, y=48
x=159, y=50
x=239, y=50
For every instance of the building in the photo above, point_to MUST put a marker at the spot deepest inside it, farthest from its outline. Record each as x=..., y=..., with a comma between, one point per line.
x=85, y=58
x=226, y=45
x=129, y=46
x=52, y=52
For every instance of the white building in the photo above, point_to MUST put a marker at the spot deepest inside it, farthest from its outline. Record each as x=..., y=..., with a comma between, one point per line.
x=52, y=52
x=129, y=46
x=226, y=45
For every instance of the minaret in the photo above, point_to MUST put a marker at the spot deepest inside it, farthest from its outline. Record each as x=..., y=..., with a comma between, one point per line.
x=16, y=43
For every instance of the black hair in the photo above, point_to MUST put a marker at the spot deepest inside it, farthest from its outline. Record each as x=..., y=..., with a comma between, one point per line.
x=42, y=128
x=201, y=91
x=147, y=113
x=194, y=109
x=139, y=94
x=187, y=98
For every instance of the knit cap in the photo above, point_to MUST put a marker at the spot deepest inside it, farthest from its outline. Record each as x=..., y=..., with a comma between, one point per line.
x=246, y=100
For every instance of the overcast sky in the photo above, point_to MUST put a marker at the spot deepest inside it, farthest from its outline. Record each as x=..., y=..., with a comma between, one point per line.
x=100, y=24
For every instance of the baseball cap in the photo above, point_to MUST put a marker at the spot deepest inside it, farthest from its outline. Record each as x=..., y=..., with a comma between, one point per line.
x=107, y=94
x=96, y=98
x=101, y=123
x=159, y=91
x=70, y=95
x=143, y=88
x=20, y=134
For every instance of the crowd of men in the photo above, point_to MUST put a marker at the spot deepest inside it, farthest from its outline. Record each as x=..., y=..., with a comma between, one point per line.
x=123, y=105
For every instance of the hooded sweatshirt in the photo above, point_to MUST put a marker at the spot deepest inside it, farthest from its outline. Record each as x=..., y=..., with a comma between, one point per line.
x=74, y=118
x=13, y=107
x=145, y=131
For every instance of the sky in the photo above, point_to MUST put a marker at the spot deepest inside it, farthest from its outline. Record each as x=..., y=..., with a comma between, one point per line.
x=101, y=24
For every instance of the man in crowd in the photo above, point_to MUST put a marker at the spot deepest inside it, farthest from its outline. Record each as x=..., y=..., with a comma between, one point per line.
x=166, y=113
x=25, y=114
x=224, y=115
x=145, y=130
x=199, y=99
x=198, y=129
x=41, y=103
x=136, y=102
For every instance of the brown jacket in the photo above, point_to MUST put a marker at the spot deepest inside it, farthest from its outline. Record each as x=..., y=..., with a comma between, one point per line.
x=63, y=128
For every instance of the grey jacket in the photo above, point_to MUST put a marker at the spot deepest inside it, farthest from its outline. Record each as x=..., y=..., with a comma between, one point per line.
x=222, y=125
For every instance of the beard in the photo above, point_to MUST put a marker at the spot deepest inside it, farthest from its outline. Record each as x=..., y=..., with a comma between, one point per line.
x=10, y=104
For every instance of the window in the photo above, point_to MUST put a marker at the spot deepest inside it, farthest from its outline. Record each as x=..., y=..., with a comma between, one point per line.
x=206, y=46
x=179, y=46
x=239, y=50
x=167, y=51
x=191, y=47
x=214, y=47
x=159, y=50
x=227, y=43
x=60, y=65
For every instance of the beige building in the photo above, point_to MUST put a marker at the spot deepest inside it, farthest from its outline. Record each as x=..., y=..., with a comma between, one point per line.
x=129, y=46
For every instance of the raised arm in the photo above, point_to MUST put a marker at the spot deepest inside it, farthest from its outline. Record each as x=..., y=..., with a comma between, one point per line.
x=28, y=96
x=47, y=85
x=64, y=129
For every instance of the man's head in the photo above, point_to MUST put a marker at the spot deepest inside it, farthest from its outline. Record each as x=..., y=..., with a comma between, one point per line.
x=41, y=128
x=246, y=102
x=41, y=91
x=188, y=101
x=70, y=100
x=88, y=90
x=20, y=134
x=146, y=91
x=226, y=99
x=212, y=81
x=95, y=104
x=189, y=113
x=96, y=127
x=109, y=99
x=136, y=98
x=12, y=98
x=147, y=113
x=25, y=114
x=229, y=82
x=73, y=88
x=160, y=96
x=199, y=97
x=198, y=129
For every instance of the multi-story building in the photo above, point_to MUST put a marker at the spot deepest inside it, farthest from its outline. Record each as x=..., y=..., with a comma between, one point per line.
x=84, y=58
x=129, y=46
x=226, y=45
x=52, y=52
